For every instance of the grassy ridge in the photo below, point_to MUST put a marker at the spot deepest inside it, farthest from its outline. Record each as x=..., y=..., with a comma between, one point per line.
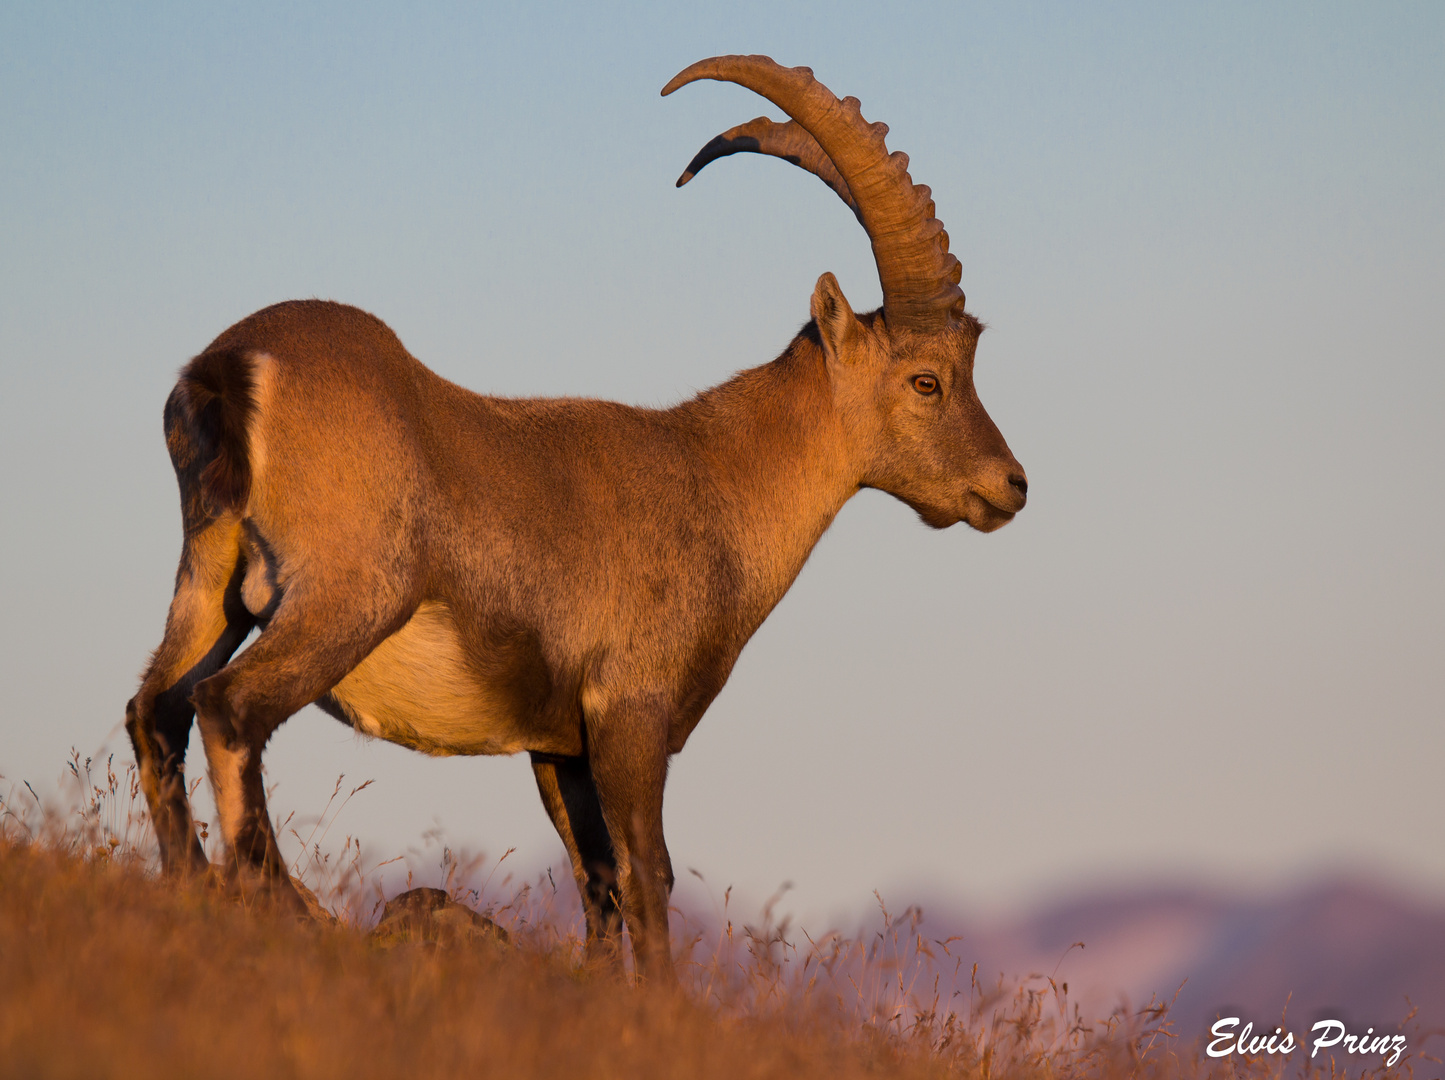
x=107, y=970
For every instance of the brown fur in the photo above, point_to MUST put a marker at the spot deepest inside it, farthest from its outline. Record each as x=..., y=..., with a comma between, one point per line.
x=591, y=570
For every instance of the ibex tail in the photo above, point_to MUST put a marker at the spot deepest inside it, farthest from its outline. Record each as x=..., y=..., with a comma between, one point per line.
x=207, y=421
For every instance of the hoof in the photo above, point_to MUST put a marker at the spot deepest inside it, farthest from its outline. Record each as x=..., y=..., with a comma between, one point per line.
x=263, y=891
x=429, y=915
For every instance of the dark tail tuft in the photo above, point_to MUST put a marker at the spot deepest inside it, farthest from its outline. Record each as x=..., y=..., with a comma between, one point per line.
x=207, y=418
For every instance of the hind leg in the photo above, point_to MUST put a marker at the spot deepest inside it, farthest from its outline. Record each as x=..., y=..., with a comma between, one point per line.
x=306, y=649
x=206, y=623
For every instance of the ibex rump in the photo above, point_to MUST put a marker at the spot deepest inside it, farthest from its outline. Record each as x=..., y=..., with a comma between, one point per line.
x=473, y=575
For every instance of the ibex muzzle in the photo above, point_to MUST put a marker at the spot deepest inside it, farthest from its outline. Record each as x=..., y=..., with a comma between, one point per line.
x=575, y=579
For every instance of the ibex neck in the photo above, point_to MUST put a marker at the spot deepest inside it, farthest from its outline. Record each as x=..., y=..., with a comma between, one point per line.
x=780, y=462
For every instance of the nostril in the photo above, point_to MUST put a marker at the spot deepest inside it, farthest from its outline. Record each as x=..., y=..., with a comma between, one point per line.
x=1019, y=481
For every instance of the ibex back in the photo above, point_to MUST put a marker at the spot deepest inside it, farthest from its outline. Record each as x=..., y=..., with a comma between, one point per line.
x=571, y=578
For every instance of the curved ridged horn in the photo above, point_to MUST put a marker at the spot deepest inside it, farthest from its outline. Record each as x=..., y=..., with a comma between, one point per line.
x=789, y=141
x=918, y=275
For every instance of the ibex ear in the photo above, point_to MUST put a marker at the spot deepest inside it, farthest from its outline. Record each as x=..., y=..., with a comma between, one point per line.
x=838, y=327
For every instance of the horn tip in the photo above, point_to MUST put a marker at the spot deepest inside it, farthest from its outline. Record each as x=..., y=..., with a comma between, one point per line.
x=699, y=70
x=684, y=178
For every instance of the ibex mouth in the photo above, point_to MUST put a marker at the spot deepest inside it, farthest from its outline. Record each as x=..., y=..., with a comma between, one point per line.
x=1007, y=498
x=986, y=515
x=992, y=520
x=976, y=512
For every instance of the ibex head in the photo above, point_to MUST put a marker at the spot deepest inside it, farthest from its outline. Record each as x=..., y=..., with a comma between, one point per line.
x=903, y=375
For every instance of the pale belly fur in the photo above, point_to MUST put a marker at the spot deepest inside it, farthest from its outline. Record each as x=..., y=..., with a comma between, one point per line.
x=417, y=690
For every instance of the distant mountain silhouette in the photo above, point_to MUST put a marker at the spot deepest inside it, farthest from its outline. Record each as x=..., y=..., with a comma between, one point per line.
x=1341, y=949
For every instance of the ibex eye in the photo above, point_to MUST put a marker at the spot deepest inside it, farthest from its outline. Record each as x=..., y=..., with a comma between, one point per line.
x=925, y=384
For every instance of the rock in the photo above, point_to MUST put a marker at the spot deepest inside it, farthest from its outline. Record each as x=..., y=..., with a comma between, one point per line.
x=429, y=915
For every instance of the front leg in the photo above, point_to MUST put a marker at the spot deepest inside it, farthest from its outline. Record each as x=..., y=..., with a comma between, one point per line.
x=627, y=749
x=570, y=797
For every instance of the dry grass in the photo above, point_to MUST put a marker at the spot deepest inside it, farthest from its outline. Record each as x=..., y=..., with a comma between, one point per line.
x=107, y=971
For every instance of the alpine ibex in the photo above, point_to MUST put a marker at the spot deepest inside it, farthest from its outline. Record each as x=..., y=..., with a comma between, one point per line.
x=474, y=575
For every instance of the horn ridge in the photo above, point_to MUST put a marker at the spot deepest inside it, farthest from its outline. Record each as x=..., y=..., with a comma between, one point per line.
x=910, y=247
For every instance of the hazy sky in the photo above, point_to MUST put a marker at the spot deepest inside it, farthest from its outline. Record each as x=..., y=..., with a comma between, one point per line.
x=1209, y=244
